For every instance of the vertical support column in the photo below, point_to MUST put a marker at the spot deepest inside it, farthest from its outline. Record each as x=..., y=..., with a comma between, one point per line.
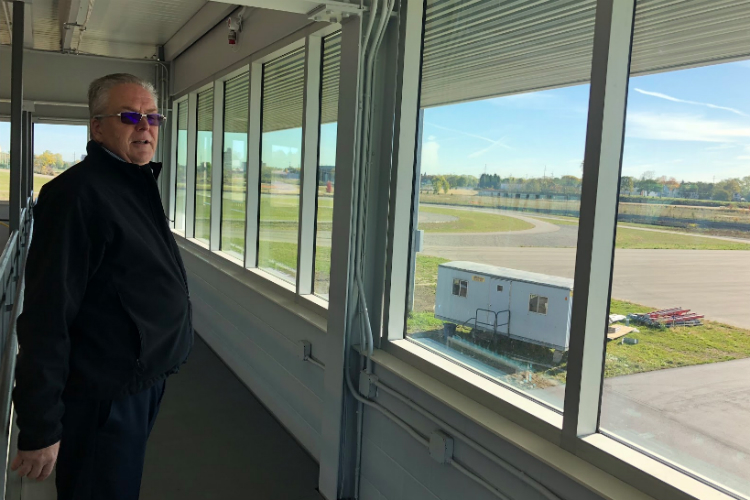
x=309, y=174
x=217, y=157
x=338, y=420
x=30, y=168
x=16, y=117
x=28, y=157
x=596, y=234
x=254, y=138
x=402, y=185
x=192, y=140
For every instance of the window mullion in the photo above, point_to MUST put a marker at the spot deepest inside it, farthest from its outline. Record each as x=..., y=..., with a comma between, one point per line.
x=600, y=186
x=309, y=172
x=254, y=120
x=191, y=162
x=217, y=166
x=404, y=150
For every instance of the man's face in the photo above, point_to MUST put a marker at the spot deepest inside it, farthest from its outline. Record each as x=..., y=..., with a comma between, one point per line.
x=133, y=143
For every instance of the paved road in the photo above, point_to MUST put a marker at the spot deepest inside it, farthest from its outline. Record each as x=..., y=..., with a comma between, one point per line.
x=696, y=416
x=713, y=282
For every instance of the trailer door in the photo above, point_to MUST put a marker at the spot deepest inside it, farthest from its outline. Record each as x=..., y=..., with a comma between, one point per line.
x=500, y=302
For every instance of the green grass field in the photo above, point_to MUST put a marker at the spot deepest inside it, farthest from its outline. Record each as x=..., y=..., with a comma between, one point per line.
x=629, y=236
x=39, y=181
x=471, y=222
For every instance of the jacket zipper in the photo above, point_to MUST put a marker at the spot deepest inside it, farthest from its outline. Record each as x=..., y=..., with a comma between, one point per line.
x=169, y=243
x=138, y=329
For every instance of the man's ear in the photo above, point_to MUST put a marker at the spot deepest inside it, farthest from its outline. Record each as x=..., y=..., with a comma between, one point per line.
x=96, y=130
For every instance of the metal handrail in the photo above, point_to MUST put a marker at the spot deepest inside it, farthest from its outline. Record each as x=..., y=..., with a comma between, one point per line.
x=12, y=269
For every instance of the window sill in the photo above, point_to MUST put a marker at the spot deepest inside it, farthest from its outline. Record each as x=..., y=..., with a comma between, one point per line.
x=537, y=430
x=496, y=422
x=515, y=407
x=272, y=288
x=635, y=467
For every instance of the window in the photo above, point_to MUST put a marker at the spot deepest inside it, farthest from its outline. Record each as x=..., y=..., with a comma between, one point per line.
x=56, y=148
x=460, y=287
x=203, y=158
x=181, y=170
x=537, y=304
x=504, y=102
x=5, y=161
x=281, y=157
x=329, y=108
x=234, y=166
x=680, y=283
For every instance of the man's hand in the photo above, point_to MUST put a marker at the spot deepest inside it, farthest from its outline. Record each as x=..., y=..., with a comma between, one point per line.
x=36, y=464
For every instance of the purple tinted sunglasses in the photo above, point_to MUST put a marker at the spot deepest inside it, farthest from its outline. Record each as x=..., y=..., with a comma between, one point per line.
x=134, y=118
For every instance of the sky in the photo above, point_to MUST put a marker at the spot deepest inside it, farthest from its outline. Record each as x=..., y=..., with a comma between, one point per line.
x=692, y=124
x=68, y=140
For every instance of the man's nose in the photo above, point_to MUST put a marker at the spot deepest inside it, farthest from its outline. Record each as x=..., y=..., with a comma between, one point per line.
x=142, y=124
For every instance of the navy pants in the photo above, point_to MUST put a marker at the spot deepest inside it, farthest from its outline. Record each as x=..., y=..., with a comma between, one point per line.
x=104, y=444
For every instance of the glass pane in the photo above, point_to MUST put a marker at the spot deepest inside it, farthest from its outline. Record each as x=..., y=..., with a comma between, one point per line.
x=234, y=173
x=181, y=174
x=504, y=106
x=329, y=109
x=5, y=161
x=283, y=86
x=677, y=368
x=203, y=165
x=56, y=148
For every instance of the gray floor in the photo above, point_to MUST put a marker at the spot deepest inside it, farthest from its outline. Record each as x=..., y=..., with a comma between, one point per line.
x=214, y=440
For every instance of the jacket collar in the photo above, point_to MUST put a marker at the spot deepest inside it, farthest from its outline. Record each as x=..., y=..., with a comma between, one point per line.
x=98, y=151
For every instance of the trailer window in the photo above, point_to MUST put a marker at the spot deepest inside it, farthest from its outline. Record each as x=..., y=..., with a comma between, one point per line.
x=538, y=304
x=460, y=287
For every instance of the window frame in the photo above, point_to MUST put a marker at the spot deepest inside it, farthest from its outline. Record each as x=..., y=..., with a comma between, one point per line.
x=576, y=428
x=194, y=154
x=173, y=163
x=253, y=65
x=218, y=155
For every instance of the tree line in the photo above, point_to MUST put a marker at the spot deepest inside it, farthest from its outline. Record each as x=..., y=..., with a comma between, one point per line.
x=723, y=190
x=567, y=184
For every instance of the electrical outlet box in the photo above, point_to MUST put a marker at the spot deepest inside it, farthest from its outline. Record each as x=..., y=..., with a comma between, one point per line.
x=441, y=447
x=367, y=387
x=304, y=348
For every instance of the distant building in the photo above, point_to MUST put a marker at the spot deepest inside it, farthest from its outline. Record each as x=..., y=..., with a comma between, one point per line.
x=326, y=173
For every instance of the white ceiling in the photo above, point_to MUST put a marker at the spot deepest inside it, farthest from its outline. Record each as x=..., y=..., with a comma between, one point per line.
x=116, y=28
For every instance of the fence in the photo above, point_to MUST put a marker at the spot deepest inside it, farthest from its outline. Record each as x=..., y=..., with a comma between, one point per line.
x=12, y=264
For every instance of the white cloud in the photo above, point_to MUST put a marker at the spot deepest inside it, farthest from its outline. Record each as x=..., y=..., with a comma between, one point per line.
x=695, y=103
x=430, y=156
x=468, y=134
x=493, y=143
x=673, y=127
x=498, y=143
x=743, y=157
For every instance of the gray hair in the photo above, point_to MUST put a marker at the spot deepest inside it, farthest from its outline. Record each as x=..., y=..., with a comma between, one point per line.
x=99, y=90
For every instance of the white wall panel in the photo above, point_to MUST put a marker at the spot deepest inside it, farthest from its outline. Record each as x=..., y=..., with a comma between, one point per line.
x=212, y=54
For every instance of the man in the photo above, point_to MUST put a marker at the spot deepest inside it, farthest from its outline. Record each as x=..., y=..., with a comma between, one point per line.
x=107, y=313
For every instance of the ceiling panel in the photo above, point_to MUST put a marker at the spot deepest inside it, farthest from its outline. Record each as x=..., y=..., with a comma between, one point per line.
x=115, y=28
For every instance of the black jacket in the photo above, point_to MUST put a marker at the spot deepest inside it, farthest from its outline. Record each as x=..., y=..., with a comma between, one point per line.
x=106, y=310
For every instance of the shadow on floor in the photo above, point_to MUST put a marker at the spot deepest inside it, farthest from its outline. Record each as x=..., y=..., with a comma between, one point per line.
x=214, y=440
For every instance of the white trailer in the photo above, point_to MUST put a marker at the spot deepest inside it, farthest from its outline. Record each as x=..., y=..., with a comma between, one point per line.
x=526, y=306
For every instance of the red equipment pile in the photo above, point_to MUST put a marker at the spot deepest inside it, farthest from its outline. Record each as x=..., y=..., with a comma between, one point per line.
x=676, y=316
